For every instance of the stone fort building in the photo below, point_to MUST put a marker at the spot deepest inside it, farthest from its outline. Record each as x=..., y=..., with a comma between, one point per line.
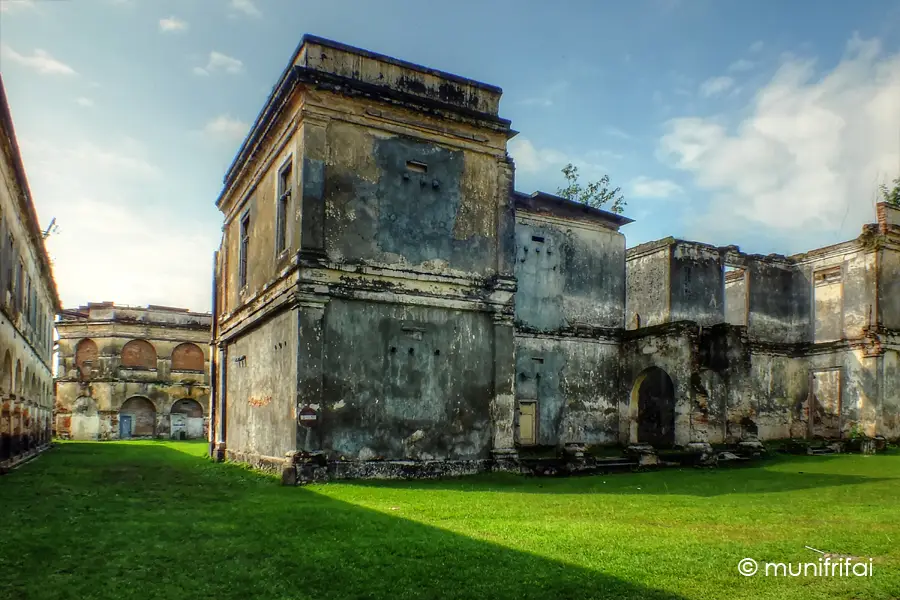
x=130, y=372
x=28, y=303
x=385, y=299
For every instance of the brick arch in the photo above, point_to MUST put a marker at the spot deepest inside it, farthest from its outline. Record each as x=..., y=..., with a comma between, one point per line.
x=143, y=415
x=86, y=350
x=187, y=357
x=188, y=407
x=139, y=354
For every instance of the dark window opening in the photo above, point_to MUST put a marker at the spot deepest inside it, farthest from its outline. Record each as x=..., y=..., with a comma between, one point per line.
x=284, y=200
x=244, y=248
x=537, y=238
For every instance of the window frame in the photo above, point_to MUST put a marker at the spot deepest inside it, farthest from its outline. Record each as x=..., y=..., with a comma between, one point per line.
x=284, y=189
x=244, y=224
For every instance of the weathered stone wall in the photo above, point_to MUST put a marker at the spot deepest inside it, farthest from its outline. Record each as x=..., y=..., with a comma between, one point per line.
x=569, y=274
x=406, y=382
x=648, y=281
x=261, y=416
x=574, y=382
x=697, y=285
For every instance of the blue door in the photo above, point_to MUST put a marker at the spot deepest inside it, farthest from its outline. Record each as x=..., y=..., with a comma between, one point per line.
x=124, y=427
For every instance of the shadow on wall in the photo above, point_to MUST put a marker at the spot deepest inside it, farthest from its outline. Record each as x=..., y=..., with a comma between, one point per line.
x=250, y=537
x=700, y=483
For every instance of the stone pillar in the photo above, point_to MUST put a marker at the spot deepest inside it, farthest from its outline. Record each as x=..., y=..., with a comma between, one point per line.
x=222, y=386
x=310, y=213
x=503, y=405
x=310, y=357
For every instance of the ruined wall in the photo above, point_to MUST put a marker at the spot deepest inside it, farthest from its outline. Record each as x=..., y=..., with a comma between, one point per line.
x=574, y=383
x=261, y=377
x=889, y=287
x=671, y=349
x=95, y=379
x=406, y=382
x=779, y=302
x=697, y=284
x=736, y=301
x=648, y=287
x=889, y=422
x=772, y=403
x=568, y=274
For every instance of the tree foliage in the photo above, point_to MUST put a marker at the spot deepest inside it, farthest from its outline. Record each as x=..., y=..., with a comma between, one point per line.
x=596, y=194
x=892, y=195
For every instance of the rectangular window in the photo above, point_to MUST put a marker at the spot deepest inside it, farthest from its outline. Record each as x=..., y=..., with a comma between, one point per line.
x=244, y=248
x=284, y=201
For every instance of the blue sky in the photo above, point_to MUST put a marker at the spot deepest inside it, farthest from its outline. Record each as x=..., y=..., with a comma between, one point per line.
x=765, y=124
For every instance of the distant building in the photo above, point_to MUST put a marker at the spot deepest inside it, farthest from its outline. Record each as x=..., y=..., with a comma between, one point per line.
x=28, y=303
x=386, y=303
x=132, y=372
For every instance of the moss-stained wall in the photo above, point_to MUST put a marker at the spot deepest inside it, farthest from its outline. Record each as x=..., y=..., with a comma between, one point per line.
x=648, y=287
x=406, y=382
x=569, y=273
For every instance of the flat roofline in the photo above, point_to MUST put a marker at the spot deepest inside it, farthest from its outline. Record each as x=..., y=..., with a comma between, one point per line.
x=569, y=208
x=394, y=61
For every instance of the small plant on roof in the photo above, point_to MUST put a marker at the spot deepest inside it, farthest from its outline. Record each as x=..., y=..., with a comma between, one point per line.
x=891, y=195
x=596, y=194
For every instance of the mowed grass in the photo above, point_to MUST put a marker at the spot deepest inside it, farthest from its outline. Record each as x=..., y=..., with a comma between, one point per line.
x=149, y=520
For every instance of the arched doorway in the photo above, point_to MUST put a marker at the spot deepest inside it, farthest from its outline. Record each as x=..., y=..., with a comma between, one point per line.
x=654, y=396
x=186, y=419
x=84, y=424
x=137, y=418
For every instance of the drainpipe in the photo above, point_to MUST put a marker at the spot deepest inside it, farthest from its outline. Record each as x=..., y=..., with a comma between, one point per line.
x=213, y=358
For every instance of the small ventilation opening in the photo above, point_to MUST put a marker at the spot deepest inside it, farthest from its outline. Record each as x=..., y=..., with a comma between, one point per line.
x=416, y=166
x=537, y=238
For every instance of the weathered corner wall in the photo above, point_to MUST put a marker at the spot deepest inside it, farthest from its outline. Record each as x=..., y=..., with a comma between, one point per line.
x=568, y=274
x=407, y=382
x=697, y=284
x=261, y=379
x=574, y=383
x=648, y=286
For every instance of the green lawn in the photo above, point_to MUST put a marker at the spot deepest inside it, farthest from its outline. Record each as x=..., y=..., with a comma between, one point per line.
x=158, y=520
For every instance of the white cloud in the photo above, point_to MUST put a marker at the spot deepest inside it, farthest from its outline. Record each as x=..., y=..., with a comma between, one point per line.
x=13, y=6
x=741, y=65
x=805, y=162
x=115, y=241
x=245, y=6
x=86, y=102
x=40, y=61
x=715, y=85
x=220, y=62
x=644, y=187
x=224, y=127
x=172, y=25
